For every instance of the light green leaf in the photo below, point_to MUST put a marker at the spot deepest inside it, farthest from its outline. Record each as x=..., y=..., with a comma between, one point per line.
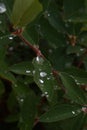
x=60, y=112
x=25, y=11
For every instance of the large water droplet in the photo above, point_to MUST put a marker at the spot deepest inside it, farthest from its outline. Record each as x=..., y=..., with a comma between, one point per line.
x=39, y=60
x=2, y=8
x=43, y=74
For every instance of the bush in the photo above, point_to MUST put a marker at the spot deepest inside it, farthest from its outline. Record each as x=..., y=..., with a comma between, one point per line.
x=43, y=64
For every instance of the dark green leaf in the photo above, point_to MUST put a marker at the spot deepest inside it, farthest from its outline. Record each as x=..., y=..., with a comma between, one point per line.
x=50, y=33
x=23, y=68
x=28, y=111
x=79, y=75
x=5, y=74
x=74, y=9
x=60, y=112
x=54, y=17
x=73, y=90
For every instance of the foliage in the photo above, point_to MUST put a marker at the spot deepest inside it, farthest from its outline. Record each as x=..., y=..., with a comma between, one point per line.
x=43, y=64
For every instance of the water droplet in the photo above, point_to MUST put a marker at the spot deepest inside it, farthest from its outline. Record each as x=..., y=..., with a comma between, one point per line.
x=48, y=78
x=48, y=14
x=33, y=71
x=2, y=8
x=43, y=74
x=41, y=81
x=73, y=112
x=10, y=37
x=78, y=83
x=28, y=71
x=78, y=54
x=1, y=37
x=45, y=93
x=81, y=49
x=39, y=60
x=21, y=99
x=47, y=96
x=42, y=95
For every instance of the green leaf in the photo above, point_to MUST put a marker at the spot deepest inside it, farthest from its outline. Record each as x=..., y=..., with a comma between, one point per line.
x=28, y=111
x=79, y=75
x=74, y=92
x=74, y=50
x=23, y=68
x=5, y=74
x=20, y=90
x=60, y=112
x=54, y=17
x=50, y=33
x=25, y=11
x=73, y=7
x=81, y=120
x=44, y=78
x=71, y=124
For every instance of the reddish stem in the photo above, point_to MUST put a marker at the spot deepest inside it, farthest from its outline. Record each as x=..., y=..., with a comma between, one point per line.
x=35, y=49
